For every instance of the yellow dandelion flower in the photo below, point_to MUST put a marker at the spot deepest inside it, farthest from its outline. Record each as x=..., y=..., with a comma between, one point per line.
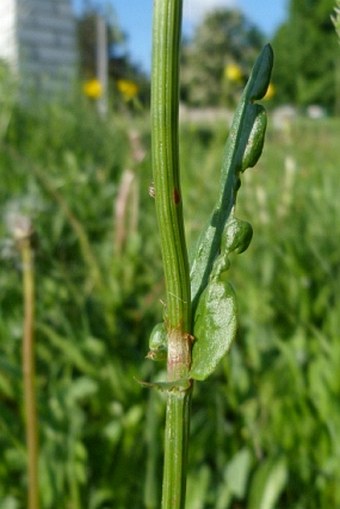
x=93, y=89
x=233, y=73
x=271, y=90
x=128, y=88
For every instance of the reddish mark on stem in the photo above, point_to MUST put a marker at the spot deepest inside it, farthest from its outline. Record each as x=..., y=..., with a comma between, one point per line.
x=177, y=196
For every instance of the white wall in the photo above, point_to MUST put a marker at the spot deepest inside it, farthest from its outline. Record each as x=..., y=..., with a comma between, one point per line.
x=8, y=40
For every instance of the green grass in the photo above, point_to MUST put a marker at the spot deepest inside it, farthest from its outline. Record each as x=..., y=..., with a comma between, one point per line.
x=272, y=416
x=281, y=384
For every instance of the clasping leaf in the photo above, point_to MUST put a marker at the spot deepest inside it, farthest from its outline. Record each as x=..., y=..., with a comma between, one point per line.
x=214, y=328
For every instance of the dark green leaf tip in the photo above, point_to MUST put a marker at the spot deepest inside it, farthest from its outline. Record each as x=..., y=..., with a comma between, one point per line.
x=260, y=76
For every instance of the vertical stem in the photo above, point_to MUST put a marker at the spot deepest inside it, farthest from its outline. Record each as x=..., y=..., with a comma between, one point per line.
x=176, y=449
x=28, y=365
x=165, y=161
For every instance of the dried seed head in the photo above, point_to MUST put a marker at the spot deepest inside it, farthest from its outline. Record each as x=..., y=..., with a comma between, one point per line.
x=19, y=225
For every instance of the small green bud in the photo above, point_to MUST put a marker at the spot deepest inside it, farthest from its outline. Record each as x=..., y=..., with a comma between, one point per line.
x=158, y=343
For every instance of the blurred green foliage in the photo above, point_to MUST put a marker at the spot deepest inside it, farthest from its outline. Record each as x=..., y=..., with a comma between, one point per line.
x=336, y=18
x=306, y=64
x=307, y=54
x=264, y=428
x=63, y=168
x=224, y=37
x=274, y=408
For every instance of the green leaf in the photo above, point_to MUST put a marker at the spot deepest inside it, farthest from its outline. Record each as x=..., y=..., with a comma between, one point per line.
x=242, y=150
x=268, y=483
x=235, y=479
x=237, y=472
x=198, y=486
x=261, y=74
x=253, y=149
x=214, y=329
x=158, y=343
x=236, y=236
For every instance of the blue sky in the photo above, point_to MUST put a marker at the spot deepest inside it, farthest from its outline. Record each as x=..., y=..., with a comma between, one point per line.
x=135, y=18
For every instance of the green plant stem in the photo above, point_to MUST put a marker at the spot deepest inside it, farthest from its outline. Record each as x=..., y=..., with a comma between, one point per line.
x=165, y=161
x=28, y=365
x=176, y=448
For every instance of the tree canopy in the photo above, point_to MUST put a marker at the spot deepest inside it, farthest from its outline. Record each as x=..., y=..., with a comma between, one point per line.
x=223, y=37
x=307, y=55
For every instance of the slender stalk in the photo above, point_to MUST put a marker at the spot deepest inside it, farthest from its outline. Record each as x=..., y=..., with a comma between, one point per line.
x=165, y=160
x=176, y=448
x=29, y=373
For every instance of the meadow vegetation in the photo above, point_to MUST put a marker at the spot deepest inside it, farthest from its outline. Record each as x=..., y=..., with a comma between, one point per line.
x=264, y=427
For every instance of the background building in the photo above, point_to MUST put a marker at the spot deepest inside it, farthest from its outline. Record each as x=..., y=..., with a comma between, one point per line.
x=38, y=41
